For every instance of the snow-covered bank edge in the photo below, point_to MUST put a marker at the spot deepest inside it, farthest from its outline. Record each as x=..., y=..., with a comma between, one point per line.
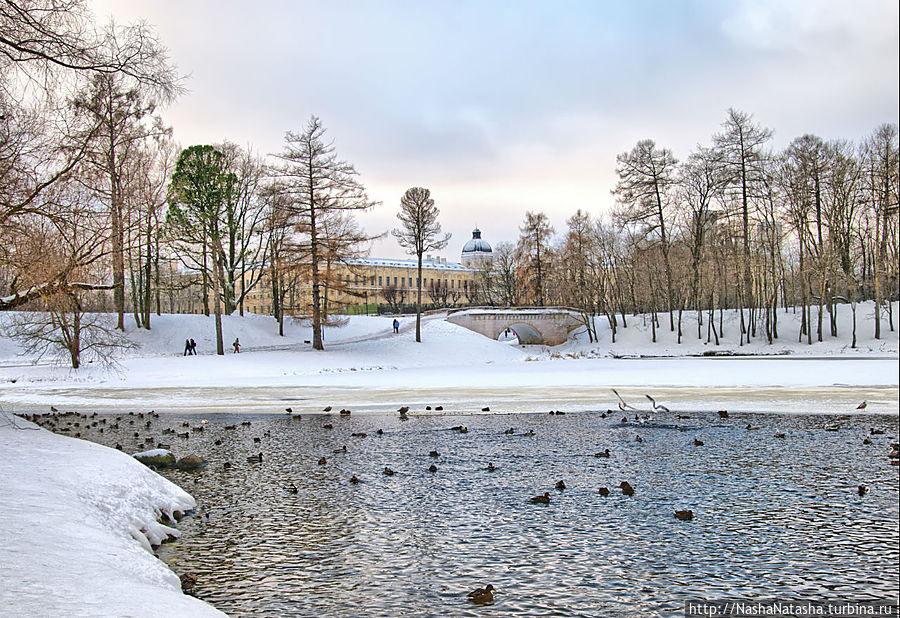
x=76, y=523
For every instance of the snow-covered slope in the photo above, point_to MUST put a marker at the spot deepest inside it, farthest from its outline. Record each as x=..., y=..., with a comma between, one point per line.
x=76, y=519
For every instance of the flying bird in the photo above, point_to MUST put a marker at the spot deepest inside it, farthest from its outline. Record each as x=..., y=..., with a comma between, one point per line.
x=656, y=406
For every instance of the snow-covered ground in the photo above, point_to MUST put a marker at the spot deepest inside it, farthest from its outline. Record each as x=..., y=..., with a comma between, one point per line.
x=367, y=367
x=76, y=521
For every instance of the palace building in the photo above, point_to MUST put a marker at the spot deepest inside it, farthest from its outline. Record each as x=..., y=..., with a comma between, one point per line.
x=363, y=284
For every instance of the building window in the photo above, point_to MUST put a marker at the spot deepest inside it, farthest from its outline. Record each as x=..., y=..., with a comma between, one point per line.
x=379, y=281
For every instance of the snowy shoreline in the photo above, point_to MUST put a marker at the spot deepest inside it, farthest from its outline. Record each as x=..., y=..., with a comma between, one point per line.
x=78, y=520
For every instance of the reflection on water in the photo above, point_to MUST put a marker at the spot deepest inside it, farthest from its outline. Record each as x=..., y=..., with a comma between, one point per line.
x=772, y=517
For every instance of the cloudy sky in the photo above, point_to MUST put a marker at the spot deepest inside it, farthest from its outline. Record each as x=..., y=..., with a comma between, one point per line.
x=504, y=107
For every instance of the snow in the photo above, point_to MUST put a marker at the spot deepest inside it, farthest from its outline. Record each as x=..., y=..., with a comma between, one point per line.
x=77, y=523
x=369, y=367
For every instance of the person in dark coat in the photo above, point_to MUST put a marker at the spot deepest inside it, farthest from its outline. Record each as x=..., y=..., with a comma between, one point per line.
x=193, y=347
x=237, y=346
x=187, y=347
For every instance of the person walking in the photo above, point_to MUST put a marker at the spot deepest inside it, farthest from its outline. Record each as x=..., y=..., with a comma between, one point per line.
x=187, y=347
x=396, y=325
x=193, y=347
x=237, y=346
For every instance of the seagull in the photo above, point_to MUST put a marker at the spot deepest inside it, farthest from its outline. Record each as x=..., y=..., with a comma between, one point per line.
x=622, y=405
x=658, y=407
x=862, y=406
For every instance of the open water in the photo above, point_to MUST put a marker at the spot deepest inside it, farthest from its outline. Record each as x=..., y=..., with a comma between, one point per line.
x=773, y=518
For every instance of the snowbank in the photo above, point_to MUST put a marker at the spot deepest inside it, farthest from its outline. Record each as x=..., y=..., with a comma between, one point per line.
x=368, y=367
x=77, y=523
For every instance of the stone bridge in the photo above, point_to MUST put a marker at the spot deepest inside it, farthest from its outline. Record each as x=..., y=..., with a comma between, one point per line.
x=539, y=325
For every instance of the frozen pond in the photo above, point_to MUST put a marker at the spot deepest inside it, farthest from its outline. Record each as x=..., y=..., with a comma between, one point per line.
x=772, y=517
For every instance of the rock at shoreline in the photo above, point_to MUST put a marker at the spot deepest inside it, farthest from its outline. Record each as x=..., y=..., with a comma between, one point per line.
x=190, y=462
x=156, y=458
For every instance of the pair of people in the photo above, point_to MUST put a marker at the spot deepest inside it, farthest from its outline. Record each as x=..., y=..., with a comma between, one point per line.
x=190, y=347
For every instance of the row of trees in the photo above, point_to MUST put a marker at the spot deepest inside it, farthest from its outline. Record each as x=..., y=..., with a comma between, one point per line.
x=735, y=225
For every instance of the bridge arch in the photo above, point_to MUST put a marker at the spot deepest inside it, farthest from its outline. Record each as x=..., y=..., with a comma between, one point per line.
x=526, y=333
x=532, y=325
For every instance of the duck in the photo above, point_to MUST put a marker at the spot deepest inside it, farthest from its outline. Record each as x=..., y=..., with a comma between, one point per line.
x=862, y=406
x=751, y=427
x=779, y=434
x=482, y=595
x=723, y=413
x=326, y=409
x=343, y=449
x=388, y=471
x=344, y=412
x=432, y=468
x=862, y=490
x=322, y=461
x=604, y=491
x=830, y=427
x=403, y=410
x=354, y=480
x=255, y=458
x=464, y=430
x=490, y=467
x=510, y=431
x=867, y=441
x=188, y=581
x=603, y=453
x=438, y=408
x=292, y=489
x=876, y=432
x=560, y=484
x=327, y=426
x=627, y=489
x=434, y=454
x=289, y=410
x=638, y=439
x=543, y=499
x=684, y=515
x=226, y=465
x=485, y=409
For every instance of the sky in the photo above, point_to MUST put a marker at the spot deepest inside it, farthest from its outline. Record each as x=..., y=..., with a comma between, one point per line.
x=505, y=107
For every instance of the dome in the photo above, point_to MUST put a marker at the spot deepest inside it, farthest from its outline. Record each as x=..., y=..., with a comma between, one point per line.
x=477, y=244
x=477, y=252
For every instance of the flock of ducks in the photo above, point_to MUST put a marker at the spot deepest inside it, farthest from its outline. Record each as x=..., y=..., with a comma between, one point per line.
x=74, y=423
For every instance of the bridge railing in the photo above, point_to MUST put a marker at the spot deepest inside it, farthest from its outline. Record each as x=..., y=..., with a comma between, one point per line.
x=512, y=308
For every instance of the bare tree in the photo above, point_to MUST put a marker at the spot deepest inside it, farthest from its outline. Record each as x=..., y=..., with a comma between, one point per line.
x=312, y=182
x=740, y=153
x=645, y=176
x=421, y=232
x=533, y=256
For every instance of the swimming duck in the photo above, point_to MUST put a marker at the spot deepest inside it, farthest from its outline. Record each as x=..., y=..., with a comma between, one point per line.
x=510, y=431
x=779, y=434
x=604, y=491
x=684, y=515
x=862, y=490
x=638, y=439
x=388, y=471
x=434, y=454
x=327, y=426
x=723, y=413
x=751, y=427
x=544, y=499
x=255, y=458
x=627, y=489
x=866, y=440
x=485, y=409
x=482, y=595
x=603, y=453
x=292, y=489
x=490, y=467
x=876, y=432
x=432, y=468
x=289, y=410
x=322, y=461
x=188, y=582
x=343, y=449
x=698, y=442
x=560, y=484
x=354, y=480
x=326, y=409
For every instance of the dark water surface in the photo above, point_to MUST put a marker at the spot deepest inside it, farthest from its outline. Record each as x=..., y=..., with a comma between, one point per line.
x=773, y=518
